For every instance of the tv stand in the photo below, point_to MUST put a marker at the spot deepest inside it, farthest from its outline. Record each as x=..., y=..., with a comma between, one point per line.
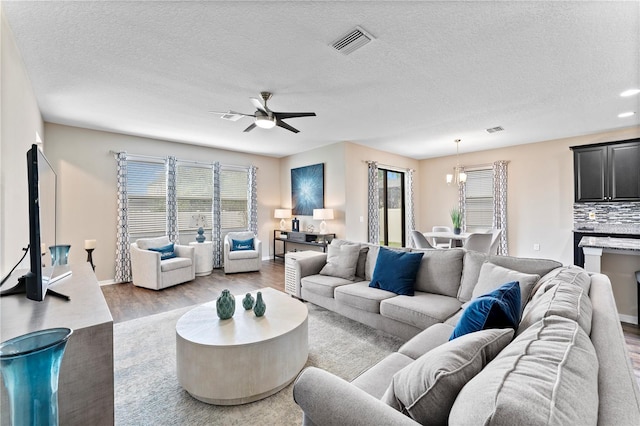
x=21, y=288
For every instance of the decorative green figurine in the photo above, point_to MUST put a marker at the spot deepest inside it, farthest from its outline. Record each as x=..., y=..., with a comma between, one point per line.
x=260, y=306
x=248, y=301
x=226, y=305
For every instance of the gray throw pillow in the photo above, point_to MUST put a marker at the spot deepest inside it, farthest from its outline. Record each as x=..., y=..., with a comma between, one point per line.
x=341, y=261
x=426, y=389
x=493, y=276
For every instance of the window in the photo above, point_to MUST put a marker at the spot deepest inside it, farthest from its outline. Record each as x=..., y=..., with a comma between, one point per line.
x=234, y=184
x=147, y=198
x=479, y=200
x=194, y=191
x=392, y=208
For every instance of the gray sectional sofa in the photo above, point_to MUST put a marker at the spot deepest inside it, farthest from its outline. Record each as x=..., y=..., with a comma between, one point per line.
x=566, y=363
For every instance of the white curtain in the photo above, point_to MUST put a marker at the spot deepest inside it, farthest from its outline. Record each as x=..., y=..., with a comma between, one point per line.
x=500, y=204
x=373, y=204
x=123, y=255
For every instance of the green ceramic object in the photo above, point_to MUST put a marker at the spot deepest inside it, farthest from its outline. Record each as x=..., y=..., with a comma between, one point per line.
x=248, y=301
x=260, y=306
x=225, y=305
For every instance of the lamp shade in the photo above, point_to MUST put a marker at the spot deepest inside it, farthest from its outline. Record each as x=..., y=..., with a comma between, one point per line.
x=282, y=213
x=322, y=214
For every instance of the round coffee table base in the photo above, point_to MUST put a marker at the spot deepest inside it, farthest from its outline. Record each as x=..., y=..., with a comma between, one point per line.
x=246, y=400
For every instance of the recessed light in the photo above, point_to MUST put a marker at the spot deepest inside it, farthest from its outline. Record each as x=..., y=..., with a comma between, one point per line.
x=630, y=92
x=626, y=114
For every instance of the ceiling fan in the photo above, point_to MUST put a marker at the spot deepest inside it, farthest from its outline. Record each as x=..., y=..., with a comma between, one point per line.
x=264, y=117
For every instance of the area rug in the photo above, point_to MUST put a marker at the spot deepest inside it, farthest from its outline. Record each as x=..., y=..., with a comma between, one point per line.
x=147, y=389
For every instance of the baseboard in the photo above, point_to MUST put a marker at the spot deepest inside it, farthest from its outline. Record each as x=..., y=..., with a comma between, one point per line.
x=628, y=319
x=106, y=282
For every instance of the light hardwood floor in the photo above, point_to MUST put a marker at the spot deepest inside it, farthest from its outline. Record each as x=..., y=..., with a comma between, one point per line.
x=127, y=301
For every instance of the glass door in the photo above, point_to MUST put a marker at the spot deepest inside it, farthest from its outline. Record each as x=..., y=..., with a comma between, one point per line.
x=392, y=208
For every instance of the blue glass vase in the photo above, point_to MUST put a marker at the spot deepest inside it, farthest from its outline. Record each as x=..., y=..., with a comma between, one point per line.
x=30, y=366
x=59, y=254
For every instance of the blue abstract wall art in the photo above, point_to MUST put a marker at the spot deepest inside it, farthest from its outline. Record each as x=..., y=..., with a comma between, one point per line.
x=307, y=189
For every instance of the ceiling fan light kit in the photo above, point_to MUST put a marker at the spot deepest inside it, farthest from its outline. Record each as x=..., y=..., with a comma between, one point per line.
x=264, y=117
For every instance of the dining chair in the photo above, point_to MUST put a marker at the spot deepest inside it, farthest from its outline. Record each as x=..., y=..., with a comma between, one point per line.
x=420, y=241
x=442, y=242
x=478, y=242
x=495, y=240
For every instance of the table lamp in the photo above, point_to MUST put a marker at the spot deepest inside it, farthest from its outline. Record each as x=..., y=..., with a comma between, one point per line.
x=323, y=214
x=282, y=214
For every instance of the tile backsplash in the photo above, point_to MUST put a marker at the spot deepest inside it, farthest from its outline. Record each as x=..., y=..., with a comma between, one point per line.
x=608, y=217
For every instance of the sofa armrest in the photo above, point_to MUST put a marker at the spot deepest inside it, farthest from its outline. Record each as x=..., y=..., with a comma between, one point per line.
x=329, y=400
x=310, y=265
x=145, y=265
x=257, y=245
x=185, y=251
x=617, y=386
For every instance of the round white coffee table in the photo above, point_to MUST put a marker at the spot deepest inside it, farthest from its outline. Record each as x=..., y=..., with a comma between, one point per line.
x=245, y=358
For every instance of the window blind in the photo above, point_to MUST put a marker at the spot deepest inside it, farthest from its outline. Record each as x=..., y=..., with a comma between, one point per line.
x=194, y=190
x=234, y=190
x=479, y=199
x=147, y=197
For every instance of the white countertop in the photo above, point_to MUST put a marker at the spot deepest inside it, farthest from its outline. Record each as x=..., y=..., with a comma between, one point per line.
x=627, y=244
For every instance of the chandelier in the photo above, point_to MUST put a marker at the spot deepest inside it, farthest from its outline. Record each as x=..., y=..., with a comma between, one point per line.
x=459, y=176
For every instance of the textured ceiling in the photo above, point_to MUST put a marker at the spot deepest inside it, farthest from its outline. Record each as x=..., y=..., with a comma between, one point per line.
x=436, y=71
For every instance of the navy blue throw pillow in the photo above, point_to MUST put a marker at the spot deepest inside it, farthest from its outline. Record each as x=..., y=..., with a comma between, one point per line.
x=396, y=271
x=166, y=252
x=498, y=309
x=242, y=244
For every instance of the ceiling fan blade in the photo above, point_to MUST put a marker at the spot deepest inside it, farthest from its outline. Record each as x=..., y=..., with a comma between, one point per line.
x=231, y=115
x=283, y=115
x=256, y=103
x=284, y=125
x=250, y=128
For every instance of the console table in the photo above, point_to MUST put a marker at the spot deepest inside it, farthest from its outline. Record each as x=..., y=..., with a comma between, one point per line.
x=307, y=238
x=85, y=384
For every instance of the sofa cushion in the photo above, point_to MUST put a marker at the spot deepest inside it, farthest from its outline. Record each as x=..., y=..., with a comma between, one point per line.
x=361, y=296
x=440, y=272
x=493, y=276
x=147, y=243
x=342, y=260
x=547, y=375
x=323, y=285
x=568, y=274
x=421, y=310
x=175, y=263
x=565, y=300
x=473, y=262
x=166, y=252
x=362, y=257
x=376, y=379
x=426, y=340
x=372, y=257
x=242, y=244
x=396, y=271
x=498, y=309
x=243, y=254
x=427, y=388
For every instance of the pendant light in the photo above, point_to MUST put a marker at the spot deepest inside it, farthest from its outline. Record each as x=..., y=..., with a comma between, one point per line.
x=459, y=176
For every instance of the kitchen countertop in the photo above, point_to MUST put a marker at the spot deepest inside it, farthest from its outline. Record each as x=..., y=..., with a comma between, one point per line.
x=606, y=228
x=611, y=244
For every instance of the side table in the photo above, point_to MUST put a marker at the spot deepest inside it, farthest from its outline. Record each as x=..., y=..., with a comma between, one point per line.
x=204, y=257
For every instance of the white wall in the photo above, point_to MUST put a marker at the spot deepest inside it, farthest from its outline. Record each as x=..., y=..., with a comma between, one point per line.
x=87, y=185
x=20, y=119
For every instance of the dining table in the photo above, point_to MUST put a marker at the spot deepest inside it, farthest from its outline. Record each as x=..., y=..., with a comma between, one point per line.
x=462, y=237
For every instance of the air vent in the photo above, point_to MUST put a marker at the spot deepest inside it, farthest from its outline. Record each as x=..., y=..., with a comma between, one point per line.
x=495, y=129
x=352, y=41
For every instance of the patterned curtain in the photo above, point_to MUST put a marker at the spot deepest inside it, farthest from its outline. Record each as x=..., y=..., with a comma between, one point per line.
x=462, y=203
x=500, y=204
x=411, y=217
x=216, y=229
x=253, y=200
x=373, y=204
x=172, y=201
x=123, y=255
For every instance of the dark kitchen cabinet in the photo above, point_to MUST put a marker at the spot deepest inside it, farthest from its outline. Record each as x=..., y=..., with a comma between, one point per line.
x=607, y=172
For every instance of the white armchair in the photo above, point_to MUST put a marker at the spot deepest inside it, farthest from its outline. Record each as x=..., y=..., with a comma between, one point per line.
x=149, y=271
x=242, y=260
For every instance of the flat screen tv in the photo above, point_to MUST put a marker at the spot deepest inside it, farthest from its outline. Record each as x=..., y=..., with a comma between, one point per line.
x=41, y=180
